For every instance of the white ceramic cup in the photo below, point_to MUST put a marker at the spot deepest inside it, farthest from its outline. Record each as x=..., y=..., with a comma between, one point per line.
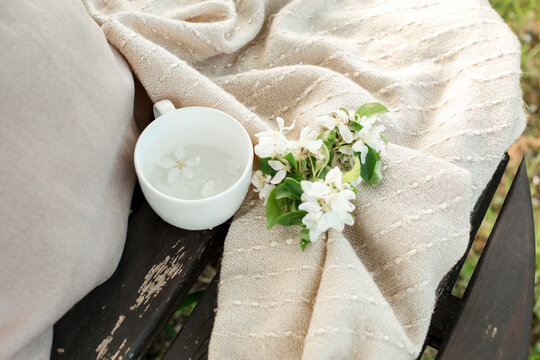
x=193, y=126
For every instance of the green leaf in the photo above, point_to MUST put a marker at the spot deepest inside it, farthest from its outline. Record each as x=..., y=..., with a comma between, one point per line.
x=384, y=138
x=323, y=172
x=289, y=188
x=323, y=135
x=290, y=158
x=284, y=204
x=190, y=300
x=304, y=239
x=355, y=126
x=188, y=304
x=319, y=164
x=345, y=110
x=370, y=109
x=303, y=164
x=352, y=174
x=273, y=210
x=170, y=331
x=377, y=174
x=294, y=186
x=368, y=167
x=265, y=167
x=283, y=192
x=330, y=139
x=292, y=218
x=296, y=176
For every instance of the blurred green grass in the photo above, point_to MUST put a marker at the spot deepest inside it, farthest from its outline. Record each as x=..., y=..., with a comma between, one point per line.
x=523, y=17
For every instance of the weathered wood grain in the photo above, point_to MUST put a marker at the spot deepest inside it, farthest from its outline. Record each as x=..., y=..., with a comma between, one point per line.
x=120, y=318
x=495, y=314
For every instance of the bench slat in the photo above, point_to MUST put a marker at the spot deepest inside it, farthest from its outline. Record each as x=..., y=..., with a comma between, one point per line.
x=120, y=318
x=447, y=304
x=495, y=314
x=194, y=337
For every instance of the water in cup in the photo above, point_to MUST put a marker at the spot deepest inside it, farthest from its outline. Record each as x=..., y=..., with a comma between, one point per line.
x=194, y=172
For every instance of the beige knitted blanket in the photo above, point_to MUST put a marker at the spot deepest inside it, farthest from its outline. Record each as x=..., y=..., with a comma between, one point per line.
x=449, y=73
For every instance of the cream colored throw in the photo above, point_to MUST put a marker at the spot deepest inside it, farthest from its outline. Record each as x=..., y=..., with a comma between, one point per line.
x=66, y=166
x=449, y=73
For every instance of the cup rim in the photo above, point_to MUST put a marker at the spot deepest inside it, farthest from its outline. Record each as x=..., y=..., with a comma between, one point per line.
x=141, y=177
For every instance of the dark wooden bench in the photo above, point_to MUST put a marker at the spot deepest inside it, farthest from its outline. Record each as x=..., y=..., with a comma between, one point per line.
x=121, y=318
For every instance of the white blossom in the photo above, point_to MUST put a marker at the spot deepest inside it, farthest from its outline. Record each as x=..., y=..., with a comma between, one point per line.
x=281, y=169
x=340, y=119
x=273, y=143
x=327, y=204
x=179, y=167
x=370, y=135
x=261, y=181
x=307, y=145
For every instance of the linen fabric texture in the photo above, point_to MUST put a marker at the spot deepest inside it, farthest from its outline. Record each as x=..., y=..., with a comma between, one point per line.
x=449, y=73
x=66, y=145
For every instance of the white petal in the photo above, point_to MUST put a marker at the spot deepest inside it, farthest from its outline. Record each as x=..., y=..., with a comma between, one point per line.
x=357, y=146
x=356, y=181
x=265, y=192
x=348, y=219
x=280, y=123
x=166, y=163
x=263, y=150
x=319, y=189
x=308, y=133
x=346, y=133
x=334, y=221
x=342, y=206
x=187, y=173
x=208, y=189
x=363, y=153
x=347, y=150
x=256, y=179
x=179, y=152
x=278, y=177
x=314, y=146
x=348, y=194
x=322, y=224
x=306, y=185
x=173, y=175
x=311, y=219
x=276, y=165
x=281, y=148
x=334, y=176
x=326, y=121
x=193, y=162
x=364, y=121
x=309, y=206
x=314, y=235
x=342, y=117
x=290, y=127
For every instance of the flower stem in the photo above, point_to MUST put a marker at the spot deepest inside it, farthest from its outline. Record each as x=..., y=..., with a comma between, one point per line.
x=313, y=169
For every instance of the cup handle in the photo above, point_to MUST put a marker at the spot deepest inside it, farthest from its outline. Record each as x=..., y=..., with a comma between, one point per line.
x=162, y=107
